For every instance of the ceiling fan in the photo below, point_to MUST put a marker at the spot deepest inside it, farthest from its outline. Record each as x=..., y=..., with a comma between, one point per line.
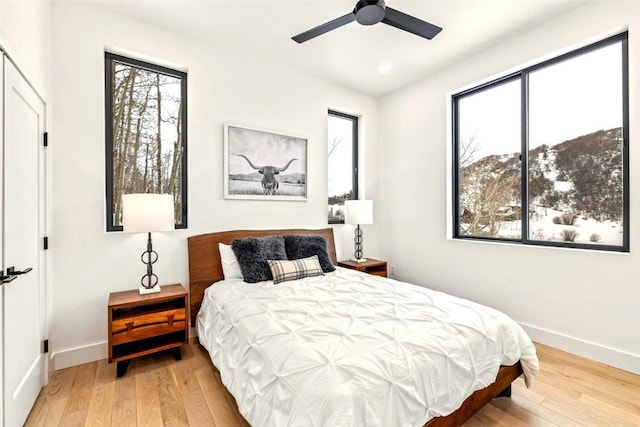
x=369, y=12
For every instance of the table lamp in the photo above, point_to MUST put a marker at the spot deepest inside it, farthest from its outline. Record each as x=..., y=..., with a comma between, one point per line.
x=145, y=213
x=358, y=212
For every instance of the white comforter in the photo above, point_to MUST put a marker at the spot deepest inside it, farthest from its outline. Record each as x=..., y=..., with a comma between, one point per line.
x=350, y=349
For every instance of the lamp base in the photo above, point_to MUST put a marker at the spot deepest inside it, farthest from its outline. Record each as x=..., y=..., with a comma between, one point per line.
x=143, y=291
x=358, y=260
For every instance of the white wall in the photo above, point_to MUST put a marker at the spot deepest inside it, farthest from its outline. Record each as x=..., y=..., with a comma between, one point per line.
x=25, y=33
x=582, y=301
x=89, y=263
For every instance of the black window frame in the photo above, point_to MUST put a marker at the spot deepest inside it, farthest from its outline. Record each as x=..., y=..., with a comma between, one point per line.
x=110, y=58
x=354, y=170
x=523, y=76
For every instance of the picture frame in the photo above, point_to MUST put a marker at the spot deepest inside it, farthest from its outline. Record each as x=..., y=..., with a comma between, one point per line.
x=264, y=165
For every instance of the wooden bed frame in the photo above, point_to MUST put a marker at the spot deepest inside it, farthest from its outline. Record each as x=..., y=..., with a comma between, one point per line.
x=205, y=269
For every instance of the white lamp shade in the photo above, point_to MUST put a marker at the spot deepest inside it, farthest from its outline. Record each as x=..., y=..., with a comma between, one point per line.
x=358, y=211
x=147, y=212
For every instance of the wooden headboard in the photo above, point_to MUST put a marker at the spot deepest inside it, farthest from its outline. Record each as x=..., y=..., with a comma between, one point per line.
x=205, y=267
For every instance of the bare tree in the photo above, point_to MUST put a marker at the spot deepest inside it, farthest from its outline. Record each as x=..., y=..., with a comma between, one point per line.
x=122, y=131
x=147, y=156
x=467, y=152
x=334, y=144
x=485, y=195
x=176, y=164
x=483, y=199
x=159, y=136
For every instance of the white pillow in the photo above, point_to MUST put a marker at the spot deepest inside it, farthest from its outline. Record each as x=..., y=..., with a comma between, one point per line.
x=230, y=266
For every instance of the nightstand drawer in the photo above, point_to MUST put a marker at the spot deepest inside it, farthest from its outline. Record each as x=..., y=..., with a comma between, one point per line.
x=381, y=273
x=140, y=326
x=145, y=324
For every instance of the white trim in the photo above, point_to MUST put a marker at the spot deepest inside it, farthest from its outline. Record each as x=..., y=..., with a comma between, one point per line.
x=146, y=58
x=79, y=355
x=590, y=350
x=519, y=244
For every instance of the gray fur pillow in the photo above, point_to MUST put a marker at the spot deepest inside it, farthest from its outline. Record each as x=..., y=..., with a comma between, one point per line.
x=306, y=246
x=253, y=253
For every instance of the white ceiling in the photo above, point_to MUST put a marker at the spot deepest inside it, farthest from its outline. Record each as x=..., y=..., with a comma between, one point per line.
x=348, y=56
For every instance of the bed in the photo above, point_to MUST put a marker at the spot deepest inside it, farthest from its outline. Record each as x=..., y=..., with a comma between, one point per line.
x=347, y=402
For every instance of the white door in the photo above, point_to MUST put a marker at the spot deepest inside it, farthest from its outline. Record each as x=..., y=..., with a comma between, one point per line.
x=23, y=229
x=1, y=239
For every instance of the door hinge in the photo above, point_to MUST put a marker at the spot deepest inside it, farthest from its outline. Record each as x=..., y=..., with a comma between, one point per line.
x=46, y=243
x=45, y=140
x=45, y=346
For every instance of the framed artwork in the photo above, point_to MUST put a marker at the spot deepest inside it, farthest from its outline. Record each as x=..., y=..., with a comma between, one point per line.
x=264, y=165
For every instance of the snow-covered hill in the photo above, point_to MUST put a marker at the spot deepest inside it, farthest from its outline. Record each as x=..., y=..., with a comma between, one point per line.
x=575, y=192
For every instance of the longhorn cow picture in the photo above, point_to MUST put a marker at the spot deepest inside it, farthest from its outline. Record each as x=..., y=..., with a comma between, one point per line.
x=264, y=165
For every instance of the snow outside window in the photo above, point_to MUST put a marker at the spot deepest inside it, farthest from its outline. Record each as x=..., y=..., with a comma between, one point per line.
x=541, y=156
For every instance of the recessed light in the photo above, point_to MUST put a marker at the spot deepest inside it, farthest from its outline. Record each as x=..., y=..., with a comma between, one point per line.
x=385, y=67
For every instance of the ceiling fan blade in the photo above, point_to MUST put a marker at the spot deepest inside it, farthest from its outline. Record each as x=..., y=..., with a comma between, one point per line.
x=409, y=23
x=324, y=28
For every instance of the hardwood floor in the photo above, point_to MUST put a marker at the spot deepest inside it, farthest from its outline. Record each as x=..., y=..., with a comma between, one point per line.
x=158, y=390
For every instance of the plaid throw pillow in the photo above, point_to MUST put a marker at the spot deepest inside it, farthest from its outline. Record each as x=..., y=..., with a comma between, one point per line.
x=295, y=269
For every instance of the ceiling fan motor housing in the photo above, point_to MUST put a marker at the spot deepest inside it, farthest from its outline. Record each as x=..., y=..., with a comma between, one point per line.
x=369, y=12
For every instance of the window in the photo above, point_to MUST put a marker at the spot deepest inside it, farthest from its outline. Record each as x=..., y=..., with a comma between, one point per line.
x=146, y=138
x=342, y=160
x=541, y=156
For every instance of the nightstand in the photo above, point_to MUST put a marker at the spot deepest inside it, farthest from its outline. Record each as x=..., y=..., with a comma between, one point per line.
x=145, y=324
x=371, y=266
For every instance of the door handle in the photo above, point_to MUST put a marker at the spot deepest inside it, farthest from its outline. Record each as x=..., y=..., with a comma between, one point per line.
x=11, y=271
x=5, y=279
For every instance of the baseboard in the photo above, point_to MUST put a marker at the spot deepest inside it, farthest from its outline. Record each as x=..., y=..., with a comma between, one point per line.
x=79, y=355
x=607, y=355
x=88, y=353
